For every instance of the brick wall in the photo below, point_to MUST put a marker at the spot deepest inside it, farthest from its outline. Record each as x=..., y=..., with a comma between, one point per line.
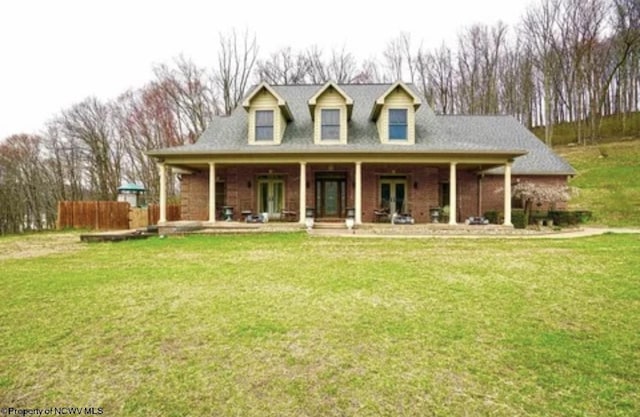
x=194, y=196
x=475, y=196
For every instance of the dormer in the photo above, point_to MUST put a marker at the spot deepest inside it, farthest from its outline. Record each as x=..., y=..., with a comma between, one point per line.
x=268, y=116
x=395, y=115
x=330, y=109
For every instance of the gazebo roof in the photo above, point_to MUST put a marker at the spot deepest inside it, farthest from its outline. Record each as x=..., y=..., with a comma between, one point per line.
x=131, y=187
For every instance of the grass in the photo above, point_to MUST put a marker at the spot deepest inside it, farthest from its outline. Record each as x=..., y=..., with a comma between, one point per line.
x=289, y=325
x=607, y=181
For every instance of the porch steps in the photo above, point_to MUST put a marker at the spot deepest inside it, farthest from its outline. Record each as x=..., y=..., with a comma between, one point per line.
x=329, y=225
x=179, y=227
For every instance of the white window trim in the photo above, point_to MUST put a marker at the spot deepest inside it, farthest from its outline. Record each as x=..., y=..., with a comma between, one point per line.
x=397, y=140
x=317, y=135
x=339, y=110
x=273, y=125
x=277, y=120
x=384, y=129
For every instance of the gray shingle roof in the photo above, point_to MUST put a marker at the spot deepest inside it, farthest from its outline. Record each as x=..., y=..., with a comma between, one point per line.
x=434, y=133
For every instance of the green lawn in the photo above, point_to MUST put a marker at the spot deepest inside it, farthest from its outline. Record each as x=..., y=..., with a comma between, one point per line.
x=291, y=325
x=609, y=186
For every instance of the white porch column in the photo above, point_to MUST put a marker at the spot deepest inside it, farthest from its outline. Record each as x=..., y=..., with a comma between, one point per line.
x=358, y=191
x=303, y=191
x=507, y=194
x=212, y=192
x=453, y=210
x=163, y=193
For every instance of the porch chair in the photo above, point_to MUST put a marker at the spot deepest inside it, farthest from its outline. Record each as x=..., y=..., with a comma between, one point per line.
x=382, y=215
x=288, y=215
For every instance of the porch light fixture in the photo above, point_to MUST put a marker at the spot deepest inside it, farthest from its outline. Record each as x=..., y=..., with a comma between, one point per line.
x=415, y=185
x=248, y=184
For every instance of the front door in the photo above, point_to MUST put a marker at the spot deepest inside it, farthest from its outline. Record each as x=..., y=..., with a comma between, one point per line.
x=330, y=197
x=271, y=196
x=393, y=194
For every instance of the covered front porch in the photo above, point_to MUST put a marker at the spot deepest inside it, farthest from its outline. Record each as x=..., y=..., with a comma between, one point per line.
x=329, y=189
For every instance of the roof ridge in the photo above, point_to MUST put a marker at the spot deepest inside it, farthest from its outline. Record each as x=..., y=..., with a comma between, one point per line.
x=474, y=115
x=337, y=83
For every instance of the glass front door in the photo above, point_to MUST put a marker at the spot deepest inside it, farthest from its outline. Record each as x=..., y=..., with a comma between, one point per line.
x=271, y=196
x=393, y=194
x=330, y=197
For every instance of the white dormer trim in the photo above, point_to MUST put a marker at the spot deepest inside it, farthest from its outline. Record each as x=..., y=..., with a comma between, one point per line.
x=348, y=101
x=282, y=104
x=396, y=97
x=379, y=103
x=325, y=99
x=262, y=98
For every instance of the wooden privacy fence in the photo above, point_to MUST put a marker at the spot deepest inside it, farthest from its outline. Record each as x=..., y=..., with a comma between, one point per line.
x=100, y=215
x=173, y=213
x=110, y=215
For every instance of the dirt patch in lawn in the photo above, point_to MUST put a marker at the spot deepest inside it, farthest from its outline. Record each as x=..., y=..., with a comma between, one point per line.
x=33, y=246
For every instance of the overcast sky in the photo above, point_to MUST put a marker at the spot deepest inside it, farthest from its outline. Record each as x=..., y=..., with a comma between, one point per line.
x=54, y=53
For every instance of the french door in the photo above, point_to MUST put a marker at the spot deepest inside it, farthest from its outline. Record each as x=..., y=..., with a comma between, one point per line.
x=393, y=194
x=271, y=196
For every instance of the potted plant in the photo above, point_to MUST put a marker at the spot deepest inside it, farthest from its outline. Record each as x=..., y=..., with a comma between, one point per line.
x=445, y=214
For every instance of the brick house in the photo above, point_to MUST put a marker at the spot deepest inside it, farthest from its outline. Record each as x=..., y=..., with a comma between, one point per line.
x=368, y=147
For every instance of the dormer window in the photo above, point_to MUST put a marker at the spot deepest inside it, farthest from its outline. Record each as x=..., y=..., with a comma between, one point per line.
x=330, y=129
x=268, y=115
x=330, y=109
x=394, y=113
x=264, y=125
x=398, y=124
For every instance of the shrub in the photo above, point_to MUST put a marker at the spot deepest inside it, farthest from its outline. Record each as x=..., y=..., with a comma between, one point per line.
x=494, y=217
x=518, y=218
x=569, y=217
x=583, y=215
x=538, y=215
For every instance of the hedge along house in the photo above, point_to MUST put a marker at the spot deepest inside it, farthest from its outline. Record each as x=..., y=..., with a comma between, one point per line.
x=289, y=148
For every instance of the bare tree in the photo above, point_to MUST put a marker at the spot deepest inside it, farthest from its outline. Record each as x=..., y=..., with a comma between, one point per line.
x=539, y=28
x=283, y=67
x=399, y=59
x=435, y=75
x=342, y=66
x=615, y=51
x=26, y=195
x=369, y=72
x=146, y=120
x=190, y=90
x=236, y=58
x=88, y=126
x=318, y=71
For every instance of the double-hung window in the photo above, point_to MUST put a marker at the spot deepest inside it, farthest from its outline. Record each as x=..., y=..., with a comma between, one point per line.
x=330, y=124
x=264, y=125
x=398, y=124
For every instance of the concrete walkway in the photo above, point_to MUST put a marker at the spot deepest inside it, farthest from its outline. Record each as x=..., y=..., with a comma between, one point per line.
x=516, y=234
